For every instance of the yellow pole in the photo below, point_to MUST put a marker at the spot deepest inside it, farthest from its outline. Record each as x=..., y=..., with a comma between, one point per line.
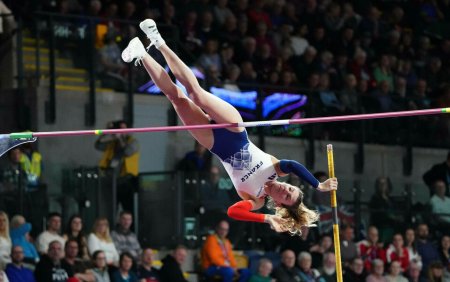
x=337, y=242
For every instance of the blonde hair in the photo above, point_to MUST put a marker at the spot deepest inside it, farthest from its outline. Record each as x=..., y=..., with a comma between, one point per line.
x=5, y=233
x=17, y=221
x=297, y=215
x=104, y=237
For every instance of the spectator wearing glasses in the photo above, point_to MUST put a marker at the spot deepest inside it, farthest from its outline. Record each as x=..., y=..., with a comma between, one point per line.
x=15, y=270
x=100, y=268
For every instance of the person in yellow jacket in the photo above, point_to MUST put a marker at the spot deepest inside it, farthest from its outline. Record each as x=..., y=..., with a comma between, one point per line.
x=217, y=256
x=31, y=164
x=121, y=156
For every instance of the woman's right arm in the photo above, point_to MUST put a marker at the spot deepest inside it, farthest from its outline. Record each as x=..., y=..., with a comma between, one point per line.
x=242, y=210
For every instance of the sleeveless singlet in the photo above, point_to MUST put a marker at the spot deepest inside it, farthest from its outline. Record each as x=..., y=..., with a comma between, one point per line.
x=248, y=166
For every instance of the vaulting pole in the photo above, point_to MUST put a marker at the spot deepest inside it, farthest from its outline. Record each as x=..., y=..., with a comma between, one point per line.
x=337, y=242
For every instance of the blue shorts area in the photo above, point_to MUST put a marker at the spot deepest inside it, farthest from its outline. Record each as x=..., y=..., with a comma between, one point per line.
x=227, y=143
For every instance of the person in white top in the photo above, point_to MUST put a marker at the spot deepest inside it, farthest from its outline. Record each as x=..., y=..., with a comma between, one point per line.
x=252, y=171
x=100, y=239
x=51, y=234
x=5, y=240
x=394, y=274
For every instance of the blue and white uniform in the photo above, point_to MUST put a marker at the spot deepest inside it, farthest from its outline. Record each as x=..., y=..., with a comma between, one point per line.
x=248, y=166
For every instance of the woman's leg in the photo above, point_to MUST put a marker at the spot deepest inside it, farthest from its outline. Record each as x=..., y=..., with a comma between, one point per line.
x=219, y=110
x=189, y=113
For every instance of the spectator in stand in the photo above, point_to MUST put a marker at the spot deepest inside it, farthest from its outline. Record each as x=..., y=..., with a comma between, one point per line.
x=425, y=247
x=76, y=266
x=349, y=251
x=328, y=269
x=5, y=240
x=256, y=13
x=382, y=211
x=439, y=171
x=333, y=19
x=406, y=70
x=100, y=268
x=124, y=239
x=355, y=272
x=395, y=273
x=120, y=159
x=319, y=250
x=264, y=269
x=75, y=231
x=100, y=239
x=440, y=206
x=414, y=273
x=171, y=268
x=146, y=271
x=383, y=72
x=298, y=41
x=305, y=65
x=349, y=96
x=124, y=272
x=31, y=162
x=296, y=244
x=332, y=105
x=383, y=95
x=306, y=272
x=218, y=258
x=411, y=246
x=12, y=177
x=397, y=252
x=111, y=68
x=221, y=12
x=198, y=160
x=206, y=29
x=359, y=65
x=286, y=271
x=210, y=56
x=15, y=270
x=419, y=99
x=319, y=38
x=51, y=234
x=49, y=268
x=370, y=249
x=435, y=272
x=444, y=250
x=377, y=271
x=20, y=237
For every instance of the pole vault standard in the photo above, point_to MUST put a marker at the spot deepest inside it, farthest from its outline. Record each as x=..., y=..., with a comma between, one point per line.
x=28, y=135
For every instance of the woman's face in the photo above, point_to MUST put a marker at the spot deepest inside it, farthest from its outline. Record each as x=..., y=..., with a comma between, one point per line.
x=100, y=261
x=398, y=241
x=76, y=225
x=282, y=194
x=102, y=226
x=409, y=235
x=437, y=272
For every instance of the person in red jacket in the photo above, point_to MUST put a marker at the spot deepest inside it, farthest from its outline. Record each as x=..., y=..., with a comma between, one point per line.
x=252, y=171
x=217, y=256
x=397, y=252
x=370, y=249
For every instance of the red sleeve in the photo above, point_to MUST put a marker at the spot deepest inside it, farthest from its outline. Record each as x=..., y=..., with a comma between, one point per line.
x=242, y=211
